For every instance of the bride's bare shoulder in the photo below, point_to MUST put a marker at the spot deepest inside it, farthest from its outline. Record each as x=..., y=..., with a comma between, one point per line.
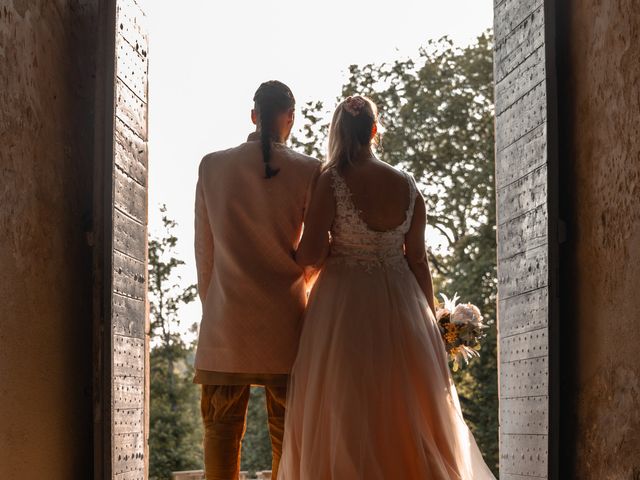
x=325, y=182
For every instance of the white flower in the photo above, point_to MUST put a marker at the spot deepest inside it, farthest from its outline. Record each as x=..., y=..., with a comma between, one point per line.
x=450, y=304
x=462, y=314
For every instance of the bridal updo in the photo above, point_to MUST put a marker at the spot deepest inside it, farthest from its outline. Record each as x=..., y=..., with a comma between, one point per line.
x=352, y=130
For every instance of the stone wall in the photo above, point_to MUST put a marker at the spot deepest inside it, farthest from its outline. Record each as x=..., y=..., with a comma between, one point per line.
x=600, y=112
x=47, y=50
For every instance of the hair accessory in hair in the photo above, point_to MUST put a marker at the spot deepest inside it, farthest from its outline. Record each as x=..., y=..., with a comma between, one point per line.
x=354, y=105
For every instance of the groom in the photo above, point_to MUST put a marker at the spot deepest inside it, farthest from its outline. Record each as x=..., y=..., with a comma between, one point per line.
x=249, y=209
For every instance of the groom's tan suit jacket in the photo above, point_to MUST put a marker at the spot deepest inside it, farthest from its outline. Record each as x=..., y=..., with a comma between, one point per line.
x=247, y=228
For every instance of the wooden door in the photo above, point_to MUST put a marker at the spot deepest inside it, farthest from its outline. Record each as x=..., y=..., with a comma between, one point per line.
x=527, y=216
x=120, y=230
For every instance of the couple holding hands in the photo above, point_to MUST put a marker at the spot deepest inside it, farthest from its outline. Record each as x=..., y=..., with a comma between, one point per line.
x=356, y=376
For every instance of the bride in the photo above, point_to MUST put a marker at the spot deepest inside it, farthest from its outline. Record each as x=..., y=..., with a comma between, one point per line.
x=370, y=394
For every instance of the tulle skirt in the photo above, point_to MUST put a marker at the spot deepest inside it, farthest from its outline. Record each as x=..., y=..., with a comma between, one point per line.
x=371, y=395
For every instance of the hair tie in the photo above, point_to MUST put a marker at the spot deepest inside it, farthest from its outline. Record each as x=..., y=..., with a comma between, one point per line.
x=354, y=105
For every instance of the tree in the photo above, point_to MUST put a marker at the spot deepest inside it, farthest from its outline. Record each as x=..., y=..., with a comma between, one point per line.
x=175, y=438
x=437, y=118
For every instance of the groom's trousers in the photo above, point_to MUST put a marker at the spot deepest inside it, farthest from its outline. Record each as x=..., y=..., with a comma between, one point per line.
x=224, y=413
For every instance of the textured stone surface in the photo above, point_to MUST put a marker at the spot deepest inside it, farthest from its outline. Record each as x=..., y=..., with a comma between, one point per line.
x=46, y=151
x=604, y=146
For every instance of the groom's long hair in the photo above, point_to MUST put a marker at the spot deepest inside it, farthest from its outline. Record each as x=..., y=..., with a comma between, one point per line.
x=271, y=99
x=350, y=130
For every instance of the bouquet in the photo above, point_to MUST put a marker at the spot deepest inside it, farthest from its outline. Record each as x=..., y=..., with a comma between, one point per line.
x=462, y=329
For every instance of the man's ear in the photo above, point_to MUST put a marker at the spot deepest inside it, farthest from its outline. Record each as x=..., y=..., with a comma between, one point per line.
x=254, y=116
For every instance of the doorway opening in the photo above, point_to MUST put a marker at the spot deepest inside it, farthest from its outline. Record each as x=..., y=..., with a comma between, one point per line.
x=436, y=101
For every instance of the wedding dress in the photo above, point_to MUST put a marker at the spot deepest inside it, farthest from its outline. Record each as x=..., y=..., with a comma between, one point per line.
x=370, y=394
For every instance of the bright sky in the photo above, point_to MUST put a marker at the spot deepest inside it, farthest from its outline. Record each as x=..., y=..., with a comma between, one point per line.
x=208, y=57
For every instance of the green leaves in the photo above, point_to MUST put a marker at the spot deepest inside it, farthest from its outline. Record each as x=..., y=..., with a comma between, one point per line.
x=175, y=437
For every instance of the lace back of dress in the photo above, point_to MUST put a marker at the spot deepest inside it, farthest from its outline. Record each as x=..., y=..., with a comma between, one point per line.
x=352, y=239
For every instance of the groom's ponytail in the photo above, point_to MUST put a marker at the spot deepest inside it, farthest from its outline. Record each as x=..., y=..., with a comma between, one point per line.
x=271, y=99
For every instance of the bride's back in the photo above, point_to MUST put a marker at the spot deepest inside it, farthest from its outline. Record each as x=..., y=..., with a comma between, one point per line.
x=380, y=192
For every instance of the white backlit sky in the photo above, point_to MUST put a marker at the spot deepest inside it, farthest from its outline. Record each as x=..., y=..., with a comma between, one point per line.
x=208, y=57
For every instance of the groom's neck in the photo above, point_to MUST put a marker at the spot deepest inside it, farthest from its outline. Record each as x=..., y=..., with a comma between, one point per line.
x=275, y=138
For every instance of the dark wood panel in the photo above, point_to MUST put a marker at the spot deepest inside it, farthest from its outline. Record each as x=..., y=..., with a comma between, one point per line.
x=525, y=212
x=521, y=118
x=523, y=233
x=523, y=455
x=526, y=415
x=129, y=277
x=524, y=78
x=131, y=110
x=511, y=14
x=523, y=41
x=127, y=313
x=523, y=313
x=131, y=153
x=129, y=236
x=524, y=378
x=521, y=196
x=130, y=196
x=522, y=157
x=121, y=218
x=523, y=272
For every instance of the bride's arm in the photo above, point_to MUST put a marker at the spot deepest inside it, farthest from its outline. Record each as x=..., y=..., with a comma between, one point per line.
x=314, y=246
x=416, y=252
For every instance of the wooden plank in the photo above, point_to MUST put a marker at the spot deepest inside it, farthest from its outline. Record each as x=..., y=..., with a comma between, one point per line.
x=524, y=455
x=523, y=313
x=518, y=45
x=511, y=14
x=128, y=392
x=133, y=475
x=129, y=236
x=124, y=432
x=130, y=196
x=128, y=314
x=526, y=415
x=524, y=378
x=131, y=153
x=526, y=345
x=129, y=277
x=131, y=110
x=522, y=157
x=129, y=453
x=128, y=357
x=524, y=78
x=522, y=233
x=127, y=420
x=523, y=272
x=522, y=117
x=521, y=196
x=131, y=67
x=132, y=25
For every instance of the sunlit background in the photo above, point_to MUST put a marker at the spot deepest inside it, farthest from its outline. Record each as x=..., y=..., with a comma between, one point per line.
x=207, y=58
